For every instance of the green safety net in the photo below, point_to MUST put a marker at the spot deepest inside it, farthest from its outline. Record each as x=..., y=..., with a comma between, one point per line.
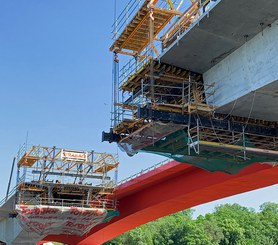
x=175, y=146
x=110, y=215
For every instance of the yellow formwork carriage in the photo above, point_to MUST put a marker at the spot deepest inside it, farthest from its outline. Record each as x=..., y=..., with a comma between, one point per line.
x=163, y=86
x=65, y=160
x=58, y=176
x=135, y=36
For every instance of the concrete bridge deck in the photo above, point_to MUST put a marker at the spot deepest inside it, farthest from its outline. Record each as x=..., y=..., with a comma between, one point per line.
x=234, y=46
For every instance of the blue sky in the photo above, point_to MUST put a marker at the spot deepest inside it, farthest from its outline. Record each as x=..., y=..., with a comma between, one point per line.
x=55, y=75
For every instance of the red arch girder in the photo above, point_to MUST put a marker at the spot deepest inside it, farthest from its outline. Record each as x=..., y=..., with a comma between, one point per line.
x=169, y=189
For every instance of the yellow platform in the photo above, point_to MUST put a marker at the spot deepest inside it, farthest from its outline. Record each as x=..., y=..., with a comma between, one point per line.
x=105, y=168
x=135, y=36
x=27, y=161
x=168, y=75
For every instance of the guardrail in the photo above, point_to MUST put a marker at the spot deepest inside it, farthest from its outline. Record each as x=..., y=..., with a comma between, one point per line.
x=128, y=13
x=95, y=203
x=12, y=192
x=133, y=65
x=144, y=171
x=120, y=114
x=125, y=16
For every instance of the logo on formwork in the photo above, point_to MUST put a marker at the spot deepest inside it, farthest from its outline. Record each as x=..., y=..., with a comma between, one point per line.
x=45, y=220
x=74, y=155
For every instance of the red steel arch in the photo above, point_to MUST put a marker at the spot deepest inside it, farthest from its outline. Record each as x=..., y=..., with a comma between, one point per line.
x=168, y=189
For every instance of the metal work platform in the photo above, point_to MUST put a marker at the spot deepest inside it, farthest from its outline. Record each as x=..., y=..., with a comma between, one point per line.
x=63, y=191
x=159, y=99
x=174, y=90
x=238, y=144
x=131, y=81
x=144, y=79
x=63, y=170
x=136, y=35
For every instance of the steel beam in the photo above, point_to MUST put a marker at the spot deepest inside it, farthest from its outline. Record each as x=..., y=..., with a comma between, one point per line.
x=225, y=124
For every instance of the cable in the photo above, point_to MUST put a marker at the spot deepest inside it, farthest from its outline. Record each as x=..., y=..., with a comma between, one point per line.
x=228, y=115
x=251, y=110
x=246, y=123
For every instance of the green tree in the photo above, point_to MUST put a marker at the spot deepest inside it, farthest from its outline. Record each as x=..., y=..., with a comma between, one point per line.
x=269, y=219
x=211, y=228
x=227, y=225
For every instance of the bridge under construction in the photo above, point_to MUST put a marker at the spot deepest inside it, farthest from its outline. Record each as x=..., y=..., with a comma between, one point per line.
x=193, y=80
x=167, y=97
x=60, y=191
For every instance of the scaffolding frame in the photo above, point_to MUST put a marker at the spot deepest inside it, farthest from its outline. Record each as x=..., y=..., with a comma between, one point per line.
x=238, y=144
x=139, y=24
x=56, y=176
x=174, y=89
x=144, y=80
x=66, y=161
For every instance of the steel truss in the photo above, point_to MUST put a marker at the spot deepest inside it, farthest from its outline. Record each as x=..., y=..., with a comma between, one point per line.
x=56, y=176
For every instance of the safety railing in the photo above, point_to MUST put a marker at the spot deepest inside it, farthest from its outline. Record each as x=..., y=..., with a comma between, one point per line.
x=128, y=111
x=95, y=203
x=238, y=141
x=191, y=96
x=186, y=92
x=12, y=191
x=134, y=65
x=101, y=182
x=121, y=113
x=6, y=198
x=128, y=13
x=130, y=68
x=22, y=150
x=125, y=17
x=143, y=171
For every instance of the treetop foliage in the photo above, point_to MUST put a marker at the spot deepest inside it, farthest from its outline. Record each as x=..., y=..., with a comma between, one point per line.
x=229, y=224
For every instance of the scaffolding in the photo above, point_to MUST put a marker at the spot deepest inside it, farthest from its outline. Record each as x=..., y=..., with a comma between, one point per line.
x=158, y=107
x=174, y=90
x=237, y=144
x=144, y=80
x=215, y=147
x=51, y=175
x=139, y=24
x=64, y=181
